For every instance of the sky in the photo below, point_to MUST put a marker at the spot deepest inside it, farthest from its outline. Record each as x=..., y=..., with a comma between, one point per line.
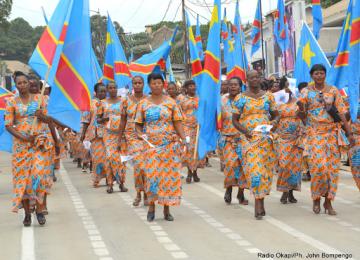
x=133, y=15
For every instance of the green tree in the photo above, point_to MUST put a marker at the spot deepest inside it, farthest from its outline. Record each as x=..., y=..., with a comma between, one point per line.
x=18, y=41
x=5, y=10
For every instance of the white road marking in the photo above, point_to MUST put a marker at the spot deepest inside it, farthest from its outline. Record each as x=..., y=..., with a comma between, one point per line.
x=27, y=242
x=94, y=236
x=227, y=232
x=281, y=225
x=162, y=237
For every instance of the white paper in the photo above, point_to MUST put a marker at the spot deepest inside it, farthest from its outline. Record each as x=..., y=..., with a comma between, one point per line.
x=263, y=128
x=126, y=158
x=292, y=86
x=87, y=145
x=281, y=97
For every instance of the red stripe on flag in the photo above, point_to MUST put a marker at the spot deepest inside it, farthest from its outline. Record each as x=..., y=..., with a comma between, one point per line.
x=342, y=59
x=198, y=38
x=122, y=68
x=47, y=46
x=316, y=2
x=162, y=64
x=72, y=86
x=224, y=35
x=257, y=23
x=140, y=68
x=355, y=32
x=237, y=72
x=196, y=67
x=108, y=72
x=212, y=66
x=63, y=33
x=256, y=38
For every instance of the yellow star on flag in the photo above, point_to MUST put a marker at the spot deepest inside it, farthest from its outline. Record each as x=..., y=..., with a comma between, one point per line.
x=214, y=16
x=307, y=54
x=108, y=39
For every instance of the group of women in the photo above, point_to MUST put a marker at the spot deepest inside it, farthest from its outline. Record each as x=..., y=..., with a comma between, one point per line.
x=158, y=134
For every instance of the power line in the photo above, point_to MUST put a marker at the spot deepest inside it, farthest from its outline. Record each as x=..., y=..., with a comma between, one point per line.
x=191, y=10
x=177, y=11
x=136, y=11
x=167, y=10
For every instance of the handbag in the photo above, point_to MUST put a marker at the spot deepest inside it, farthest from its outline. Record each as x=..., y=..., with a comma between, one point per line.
x=332, y=110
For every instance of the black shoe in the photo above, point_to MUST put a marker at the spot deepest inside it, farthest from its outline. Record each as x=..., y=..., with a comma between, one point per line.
x=150, y=216
x=41, y=218
x=227, y=196
x=168, y=217
x=27, y=220
x=110, y=190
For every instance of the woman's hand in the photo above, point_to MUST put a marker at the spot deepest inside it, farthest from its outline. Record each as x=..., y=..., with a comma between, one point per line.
x=29, y=138
x=351, y=140
x=248, y=134
x=41, y=116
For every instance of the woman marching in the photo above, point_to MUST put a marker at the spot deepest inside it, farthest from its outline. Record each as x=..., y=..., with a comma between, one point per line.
x=287, y=149
x=189, y=106
x=250, y=116
x=109, y=115
x=230, y=140
x=94, y=132
x=158, y=121
x=355, y=150
x=32, y=149
x=134, y=144
x=324, y=110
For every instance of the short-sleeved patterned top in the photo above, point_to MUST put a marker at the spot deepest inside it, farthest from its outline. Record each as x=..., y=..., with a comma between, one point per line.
x=189, y=107
x=113, y=112
x=128, y=110
x=290, y=123
x=89, y=117
x=180, y=98
x=228, y=128
x=21, y=116
x=316, y=113
x=158, y=120
x=253, y=111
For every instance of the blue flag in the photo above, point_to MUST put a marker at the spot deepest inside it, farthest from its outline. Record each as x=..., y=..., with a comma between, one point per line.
x=281, y=27
x=209, y=112
x=309, y=53
x=256, y=30
x=5, y=137
x=317, y=18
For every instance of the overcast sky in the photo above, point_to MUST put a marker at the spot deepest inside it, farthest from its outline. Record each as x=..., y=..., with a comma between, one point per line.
x=133, y=15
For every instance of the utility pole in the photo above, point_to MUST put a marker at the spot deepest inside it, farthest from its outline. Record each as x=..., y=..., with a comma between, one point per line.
x=186, y=45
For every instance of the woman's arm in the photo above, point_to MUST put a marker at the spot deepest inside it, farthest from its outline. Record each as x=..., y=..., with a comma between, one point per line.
x=239, y=127
x=179, y=129
x=139, y=130
x=18, y=135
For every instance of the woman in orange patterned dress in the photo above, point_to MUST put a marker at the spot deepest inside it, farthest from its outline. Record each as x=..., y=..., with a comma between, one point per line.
x=93, y=132
x=134, y=144
x=109, y=115
x=355, y=150
x=252, y=109
x=324, y=137
x=32, y=150
x=230, y=142
x=189, y=106
x=158, y=120
x=172, y=90
x=288, y=151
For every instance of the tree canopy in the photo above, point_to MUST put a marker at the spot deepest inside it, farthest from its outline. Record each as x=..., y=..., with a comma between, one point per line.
x=5, y=10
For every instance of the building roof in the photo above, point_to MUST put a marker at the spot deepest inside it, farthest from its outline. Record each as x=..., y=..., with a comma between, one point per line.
x=14, y=65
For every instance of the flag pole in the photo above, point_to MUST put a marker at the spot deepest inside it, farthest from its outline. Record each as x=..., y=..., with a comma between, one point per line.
x=262, y=39
x=41, y=98
x=196, y=142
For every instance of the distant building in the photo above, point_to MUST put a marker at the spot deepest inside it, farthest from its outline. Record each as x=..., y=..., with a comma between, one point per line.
x=298, y=11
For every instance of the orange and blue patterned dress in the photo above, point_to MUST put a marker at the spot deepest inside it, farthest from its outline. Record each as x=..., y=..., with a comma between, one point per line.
x=355, y=153
x=229, y=145
x=116, y=170
x=163, y=163
x=189, y=106
x=31, y=163
x=134, y=144
x=323, y=141
x=258, y=155
x=94, y=134
x=287, y=148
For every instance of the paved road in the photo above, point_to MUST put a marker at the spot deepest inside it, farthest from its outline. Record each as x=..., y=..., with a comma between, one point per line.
x=87, y=223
